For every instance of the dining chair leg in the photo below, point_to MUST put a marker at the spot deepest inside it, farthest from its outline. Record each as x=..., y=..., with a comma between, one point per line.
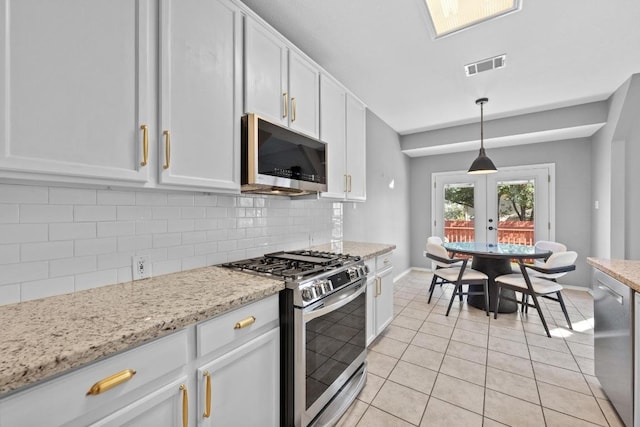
x=432, y=287
x=485, y=285
x=498, y=292
x=456, y=288
x=564, y=309
x=544, y=322
x=460, y=294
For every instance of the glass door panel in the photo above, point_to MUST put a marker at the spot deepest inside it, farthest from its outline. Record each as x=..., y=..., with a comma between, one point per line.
x=459, y=208
x=516, y=211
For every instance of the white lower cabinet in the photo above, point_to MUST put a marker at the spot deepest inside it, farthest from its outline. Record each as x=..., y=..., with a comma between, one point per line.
x=379, y=295
x=242, y=387
x=163, y=383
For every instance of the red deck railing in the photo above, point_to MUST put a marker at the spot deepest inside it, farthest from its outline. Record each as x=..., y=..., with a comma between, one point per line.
x=515, y=232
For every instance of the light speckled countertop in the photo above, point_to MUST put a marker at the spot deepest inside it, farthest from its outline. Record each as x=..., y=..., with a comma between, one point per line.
x=44, y=337
x=364, y=250
x=626, y=271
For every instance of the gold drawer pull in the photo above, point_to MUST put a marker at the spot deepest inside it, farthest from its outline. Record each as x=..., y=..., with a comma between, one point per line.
x=185, y=406
x=285, y=105
x=386, y=260
x=245, y=322
x=207, y=406
x=293, y=110
x=145, y=145
x=110, y=382
x=167, y=149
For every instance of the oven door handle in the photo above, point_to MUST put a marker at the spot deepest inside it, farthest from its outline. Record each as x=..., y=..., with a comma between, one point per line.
x=324, y=309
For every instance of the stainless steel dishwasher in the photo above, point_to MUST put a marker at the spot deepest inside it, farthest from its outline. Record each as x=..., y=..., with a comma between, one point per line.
x=613, y=309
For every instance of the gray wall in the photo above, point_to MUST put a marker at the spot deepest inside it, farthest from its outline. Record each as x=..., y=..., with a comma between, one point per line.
x=573, y=193
x=384, y=217
x=615, y=176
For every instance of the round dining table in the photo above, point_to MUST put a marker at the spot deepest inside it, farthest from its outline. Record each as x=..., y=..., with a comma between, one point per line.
x=494, y=259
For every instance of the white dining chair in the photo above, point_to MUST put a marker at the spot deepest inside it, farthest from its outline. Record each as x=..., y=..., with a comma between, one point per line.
x=538, y=286
x=456, y=275
x=435, y=240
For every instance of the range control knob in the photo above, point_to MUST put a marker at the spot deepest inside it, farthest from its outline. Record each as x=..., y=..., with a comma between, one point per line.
x=319, y=288
x=327, y=286
x=308, y=293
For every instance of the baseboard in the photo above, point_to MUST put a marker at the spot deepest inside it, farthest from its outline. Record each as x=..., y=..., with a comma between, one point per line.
x=401, y=275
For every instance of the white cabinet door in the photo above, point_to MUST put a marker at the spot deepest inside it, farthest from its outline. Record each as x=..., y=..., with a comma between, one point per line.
x=332, y=131
x=266, y=78
x=384, y=300
x=200, y=98
x=356, y=149
x=74, y=87
x=304, y=92
x=164, y=407
x=244, y=385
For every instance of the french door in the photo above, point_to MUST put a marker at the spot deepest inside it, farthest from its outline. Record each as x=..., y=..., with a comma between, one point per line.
x=514, y=205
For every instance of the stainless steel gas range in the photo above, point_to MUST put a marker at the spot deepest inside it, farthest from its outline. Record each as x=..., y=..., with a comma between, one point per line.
x=322, y=334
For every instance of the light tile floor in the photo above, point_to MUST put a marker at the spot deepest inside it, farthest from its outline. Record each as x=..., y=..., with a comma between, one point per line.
x=468, y=369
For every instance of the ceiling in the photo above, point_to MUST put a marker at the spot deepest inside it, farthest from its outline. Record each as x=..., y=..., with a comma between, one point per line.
x=559, y=54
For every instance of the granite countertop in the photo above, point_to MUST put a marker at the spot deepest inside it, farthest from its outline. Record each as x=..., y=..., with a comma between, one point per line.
x=44, y=337
x=626, y=271
x=364, y=250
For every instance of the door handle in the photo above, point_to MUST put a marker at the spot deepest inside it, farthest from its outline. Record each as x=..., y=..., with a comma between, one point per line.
x=490, y=228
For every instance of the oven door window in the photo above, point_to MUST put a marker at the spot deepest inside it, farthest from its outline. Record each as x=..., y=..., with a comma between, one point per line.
x=333, y=342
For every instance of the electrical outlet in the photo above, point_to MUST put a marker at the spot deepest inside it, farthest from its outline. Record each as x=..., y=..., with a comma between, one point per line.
x=141, y=267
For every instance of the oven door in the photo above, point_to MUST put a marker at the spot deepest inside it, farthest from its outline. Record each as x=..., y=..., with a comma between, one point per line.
x=330, y=346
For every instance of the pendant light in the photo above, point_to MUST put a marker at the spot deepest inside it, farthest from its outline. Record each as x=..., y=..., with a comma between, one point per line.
x=482, y=164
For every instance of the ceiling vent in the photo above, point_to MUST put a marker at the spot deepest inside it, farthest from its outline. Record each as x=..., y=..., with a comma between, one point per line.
x=485, y=65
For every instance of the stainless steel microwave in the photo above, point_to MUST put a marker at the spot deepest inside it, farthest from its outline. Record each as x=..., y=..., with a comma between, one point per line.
x=277, y=160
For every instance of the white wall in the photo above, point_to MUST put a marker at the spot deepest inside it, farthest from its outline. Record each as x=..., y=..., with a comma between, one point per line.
x=384, y=217
x=573, y=193
x=57, y=240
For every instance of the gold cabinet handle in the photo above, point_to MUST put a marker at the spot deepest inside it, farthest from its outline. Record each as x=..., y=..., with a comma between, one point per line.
x=207, y=404
x=185, y=406
x=346, y=183
x=285, y=102
x=110, y=382
x=145, y=145
x=293, y=110
x=167, y=149
x=378, y=286
x=386, y=261
x=349, y=183
x=245, y=322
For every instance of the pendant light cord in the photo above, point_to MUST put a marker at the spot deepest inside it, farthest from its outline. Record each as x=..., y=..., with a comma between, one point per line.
x=482, y=125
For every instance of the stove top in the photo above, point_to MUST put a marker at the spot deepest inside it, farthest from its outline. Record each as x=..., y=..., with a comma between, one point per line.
x=294, y=265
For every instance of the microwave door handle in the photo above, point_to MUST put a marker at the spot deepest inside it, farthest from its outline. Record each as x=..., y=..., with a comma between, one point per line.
x=322, y=310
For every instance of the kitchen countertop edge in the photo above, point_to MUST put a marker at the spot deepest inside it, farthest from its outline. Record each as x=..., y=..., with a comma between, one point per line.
x=625, y=271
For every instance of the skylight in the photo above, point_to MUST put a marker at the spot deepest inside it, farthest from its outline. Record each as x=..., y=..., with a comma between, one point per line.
x=448, y=16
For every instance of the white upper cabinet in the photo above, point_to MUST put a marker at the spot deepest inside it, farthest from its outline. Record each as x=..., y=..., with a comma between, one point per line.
x=333, y=132
x=356, y=149
x=343, y=128
x=280, y=85
x=200, y=93
x=74, y=88
x=304, y=91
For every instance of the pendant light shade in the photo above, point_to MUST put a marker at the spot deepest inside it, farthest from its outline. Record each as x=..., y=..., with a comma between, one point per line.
x=482, y=164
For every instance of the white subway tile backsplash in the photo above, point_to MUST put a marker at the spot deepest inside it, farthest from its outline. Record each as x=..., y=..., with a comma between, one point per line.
x=84, y=213
x=112, y=197
x=125, y=213
x=181, y=225
x=9, y=254
x=60, y=239
x=135, y=243
x=96, y=279
x=40, y=214
x=23, y=233
x=23, y=272
x=9, y=294
x=72, y=266
x=166, y=239
x=71, y=196
x=180, y=199
x=151, y=198
x=116, y=228
x=46, y=251
x=10, y=193
x=46, y=288
x=72, y=231
x=97, y=246
x=9, y=213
